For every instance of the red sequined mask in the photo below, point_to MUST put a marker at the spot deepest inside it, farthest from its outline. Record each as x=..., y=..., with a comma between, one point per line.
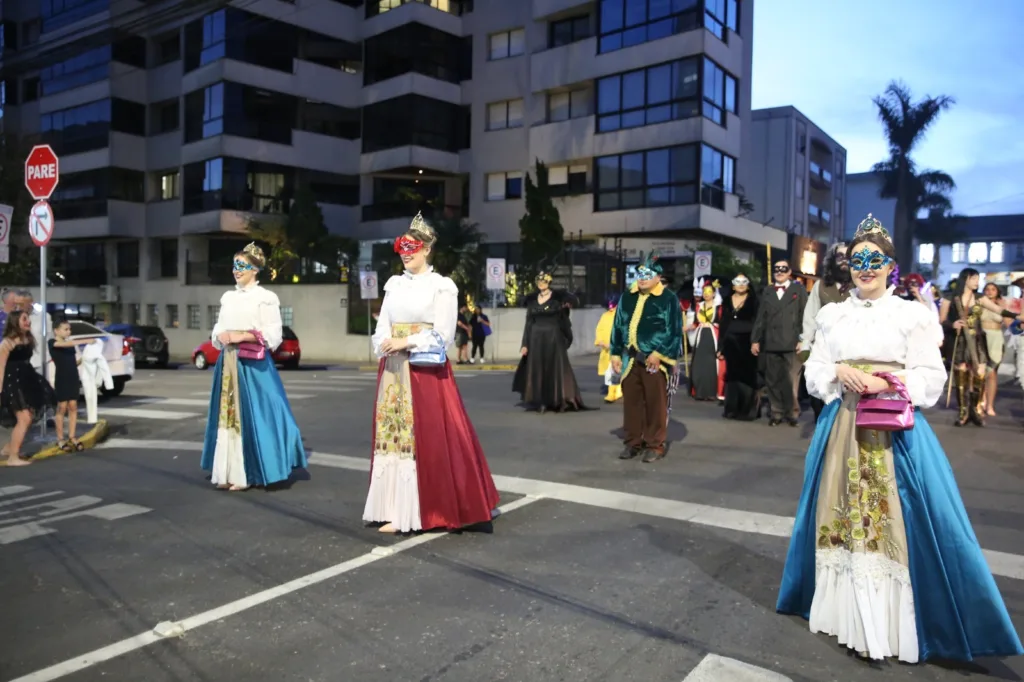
x=405, y=246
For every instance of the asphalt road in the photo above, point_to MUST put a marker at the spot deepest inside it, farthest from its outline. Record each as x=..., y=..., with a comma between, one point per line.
x=124, y=564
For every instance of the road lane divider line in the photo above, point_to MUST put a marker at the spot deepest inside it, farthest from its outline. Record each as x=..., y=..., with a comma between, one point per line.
x=1000, y=563
x=170, y=630
x=143, y=413
x=715, y=667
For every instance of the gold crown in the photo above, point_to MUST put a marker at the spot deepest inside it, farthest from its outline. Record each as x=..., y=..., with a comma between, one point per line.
x=871, y=226
x=255, y=253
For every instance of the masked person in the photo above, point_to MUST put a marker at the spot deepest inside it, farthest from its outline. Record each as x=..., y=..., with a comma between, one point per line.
x=777, y=332
x=647, y=337
x=739, y=310
x=834, y=287
x=603, y=340
x=707, y=371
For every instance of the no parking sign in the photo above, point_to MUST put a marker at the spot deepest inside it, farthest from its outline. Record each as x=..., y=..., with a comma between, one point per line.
x=702, y=264
x=495, y=274
x=368, y=286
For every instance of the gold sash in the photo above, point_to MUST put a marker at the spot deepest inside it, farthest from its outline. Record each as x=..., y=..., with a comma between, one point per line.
x=230, y=416
x=394, y=433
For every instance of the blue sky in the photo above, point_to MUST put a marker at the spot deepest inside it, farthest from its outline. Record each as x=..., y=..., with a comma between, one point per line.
x=829, y=58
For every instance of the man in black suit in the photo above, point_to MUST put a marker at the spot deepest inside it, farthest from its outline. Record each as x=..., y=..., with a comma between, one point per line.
x=777, y=331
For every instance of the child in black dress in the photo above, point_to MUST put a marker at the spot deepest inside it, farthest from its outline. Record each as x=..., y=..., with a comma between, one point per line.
x=24, y=394
x=66, y=384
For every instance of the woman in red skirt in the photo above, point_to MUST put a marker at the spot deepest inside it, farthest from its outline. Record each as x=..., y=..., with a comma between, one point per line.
x=428, y=468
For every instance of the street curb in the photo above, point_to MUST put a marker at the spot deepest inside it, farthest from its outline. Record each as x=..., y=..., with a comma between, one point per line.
x=89, y=439
x=458, y=368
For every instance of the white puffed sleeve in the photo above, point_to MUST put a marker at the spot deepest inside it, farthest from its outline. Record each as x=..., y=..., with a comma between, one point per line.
x=269, y=316
x=218, y=328
x=820, y=368
x=811, y=316
x=925, y=373
x=382, y=332
x=446, y=317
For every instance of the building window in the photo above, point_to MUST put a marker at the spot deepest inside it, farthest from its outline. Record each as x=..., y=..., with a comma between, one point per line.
x=287, y=316
x=506, y=44
x=415, y=48
x=656, y=94
x=152, y=315
x=566, y=181
x=717, y=176
x=996, y=252
x=170, y=185
x=657, y=177
x=60, y=13
x=213, y=110
x=168, y=48
x=624, y=23
x=84, y=68
x=569, y=30
x=959, y=254
x=415, y=120
x=194, y=321
x=801, y=137
x=168, y=257
x=164, y=117
x=720, y=15
x=977, y=252
x=565, y=105
x=78, y=129
x=501, y=115
x=214, y=37
x=502, y=186
x=212, y=314
x=172, y=316
x=719, y=92
x=128, y=259
x=926, y=253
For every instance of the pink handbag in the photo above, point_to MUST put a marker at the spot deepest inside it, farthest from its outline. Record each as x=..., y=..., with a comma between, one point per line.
x=250, y=350
x=880, y=414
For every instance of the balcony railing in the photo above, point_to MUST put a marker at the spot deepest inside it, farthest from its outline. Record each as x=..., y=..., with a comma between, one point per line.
x=456, y=7
x=820, y=176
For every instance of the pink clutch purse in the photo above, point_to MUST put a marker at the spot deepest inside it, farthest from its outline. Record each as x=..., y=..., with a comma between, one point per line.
x=879, y=414
x=250, y=350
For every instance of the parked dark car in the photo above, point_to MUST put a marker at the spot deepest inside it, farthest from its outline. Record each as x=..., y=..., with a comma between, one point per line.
x=288, y=354
x=149, y=344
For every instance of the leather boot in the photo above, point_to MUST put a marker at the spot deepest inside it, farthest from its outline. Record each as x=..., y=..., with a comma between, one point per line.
x=963, y=408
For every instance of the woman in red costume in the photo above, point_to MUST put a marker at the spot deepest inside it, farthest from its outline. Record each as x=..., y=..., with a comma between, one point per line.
x=428, y=468
x=707, y=372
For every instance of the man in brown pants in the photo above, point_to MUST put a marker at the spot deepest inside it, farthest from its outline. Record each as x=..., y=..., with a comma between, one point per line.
x=648, y=335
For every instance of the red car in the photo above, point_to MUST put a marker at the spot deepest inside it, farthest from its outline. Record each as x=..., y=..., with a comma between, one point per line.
x=287, y=354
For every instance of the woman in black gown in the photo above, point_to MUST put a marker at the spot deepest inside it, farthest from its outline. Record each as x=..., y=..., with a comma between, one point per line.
x=738, y=312
x=544, y=378
x=24, y=394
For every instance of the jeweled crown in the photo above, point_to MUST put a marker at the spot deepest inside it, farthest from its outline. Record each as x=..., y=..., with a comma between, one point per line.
x=255, y=255
x=871, y=226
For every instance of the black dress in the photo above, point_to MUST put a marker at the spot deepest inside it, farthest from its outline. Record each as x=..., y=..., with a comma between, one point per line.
x=544, y=378
x=24, y=388
x=740, y=363
x=66, y=384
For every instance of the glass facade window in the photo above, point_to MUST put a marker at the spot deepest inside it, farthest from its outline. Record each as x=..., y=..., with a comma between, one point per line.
x=415, y=120
x=652, y=178
x=235, y=34
x=719, y=92
x=214, y=32
x=977, y=253
x=77, y=129
x=415, y=48
x=128, y=258
x=457, y=7
x=624, y=23
x=234, y=109
x=569, y=30
x=502, y=186
x=170, y=185
x=717, y=175
x=194, y=319
x=85, y=194
x=85, y=68
x=506, y=44
x=996, y=252
x=501, y=115
x=666, y=92
x=720, y=15
x=565, y=105
x=60, y=13
x=213, y=110
x=328, y=119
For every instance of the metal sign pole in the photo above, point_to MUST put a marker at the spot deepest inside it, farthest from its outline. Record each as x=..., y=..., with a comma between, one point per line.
x=42, y=325
x=494, y=311
x=369, y=326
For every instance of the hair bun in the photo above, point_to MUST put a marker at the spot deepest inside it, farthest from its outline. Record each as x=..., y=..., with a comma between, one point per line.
x=255, y=255
x=422, y=230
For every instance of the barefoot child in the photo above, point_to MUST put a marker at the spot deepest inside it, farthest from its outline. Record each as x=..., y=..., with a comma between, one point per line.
x=66, y=384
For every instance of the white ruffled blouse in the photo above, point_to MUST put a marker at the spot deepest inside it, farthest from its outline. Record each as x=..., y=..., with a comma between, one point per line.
x=426, y=298
x=888, y=329
x=243, y=310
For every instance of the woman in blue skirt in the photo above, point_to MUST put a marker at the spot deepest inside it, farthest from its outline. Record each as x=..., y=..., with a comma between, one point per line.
x=883, y=556
x=251, y=435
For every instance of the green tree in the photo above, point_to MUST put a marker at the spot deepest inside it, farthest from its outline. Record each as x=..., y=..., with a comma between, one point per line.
x=905, y=123
x=540, y=228
x=724, y=266
x=23, y=265
x=457, y=252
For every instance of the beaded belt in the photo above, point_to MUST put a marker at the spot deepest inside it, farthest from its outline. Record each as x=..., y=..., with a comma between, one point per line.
x=402, y=330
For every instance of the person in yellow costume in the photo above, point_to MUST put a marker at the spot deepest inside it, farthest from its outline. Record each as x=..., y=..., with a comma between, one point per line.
x=603, y=340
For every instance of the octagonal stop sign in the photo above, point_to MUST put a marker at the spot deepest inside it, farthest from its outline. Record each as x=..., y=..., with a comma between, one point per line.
x=42, y=172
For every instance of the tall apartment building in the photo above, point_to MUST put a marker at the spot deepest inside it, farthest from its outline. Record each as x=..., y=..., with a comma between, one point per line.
x=797, y=175
x=172, y=126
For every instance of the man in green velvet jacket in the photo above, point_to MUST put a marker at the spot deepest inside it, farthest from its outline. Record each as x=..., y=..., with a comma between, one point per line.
x=647, y=336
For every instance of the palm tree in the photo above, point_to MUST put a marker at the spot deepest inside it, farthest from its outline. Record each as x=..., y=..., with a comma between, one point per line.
x=942, y=228
x=905, y=124
x=457, y=252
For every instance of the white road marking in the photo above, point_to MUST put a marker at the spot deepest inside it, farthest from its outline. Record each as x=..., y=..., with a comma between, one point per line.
x=31, y=525
x=144, y=639
x=713, y=668
x=1000, y=563
x=143, y=413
